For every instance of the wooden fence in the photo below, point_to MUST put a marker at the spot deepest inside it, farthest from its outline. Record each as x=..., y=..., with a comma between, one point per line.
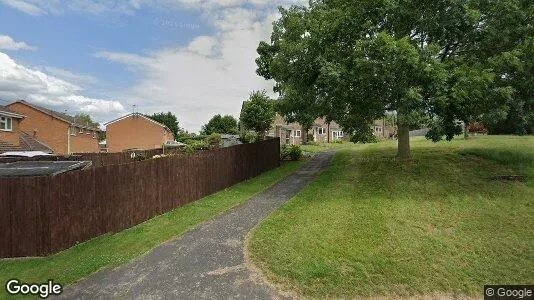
x=43, y=215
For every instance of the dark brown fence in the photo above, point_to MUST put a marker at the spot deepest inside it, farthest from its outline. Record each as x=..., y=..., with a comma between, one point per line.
x=43, y=215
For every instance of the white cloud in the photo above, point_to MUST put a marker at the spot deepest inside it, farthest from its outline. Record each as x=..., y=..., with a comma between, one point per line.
x=210, y=75
x=40, y=7
x=25, y=6
x=20, y=82
x=7, y=43
x=70, y=76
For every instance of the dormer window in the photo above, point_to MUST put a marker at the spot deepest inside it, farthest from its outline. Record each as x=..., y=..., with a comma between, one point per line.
x=6, y=124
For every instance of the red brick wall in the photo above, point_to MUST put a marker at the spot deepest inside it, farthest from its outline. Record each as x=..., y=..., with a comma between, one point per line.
x=45, y=128
x=53, y=132
x=12, y=136
x=86, y=142
x=135, y=132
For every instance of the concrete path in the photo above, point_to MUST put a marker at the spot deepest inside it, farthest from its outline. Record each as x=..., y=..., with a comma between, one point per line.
x=205, y=263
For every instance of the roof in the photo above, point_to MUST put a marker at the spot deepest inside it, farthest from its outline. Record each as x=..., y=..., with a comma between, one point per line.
x=61, y=116
x=137, y=115
x=26, y=143
x=40, y=168
x=9, y=113
x=29, y=143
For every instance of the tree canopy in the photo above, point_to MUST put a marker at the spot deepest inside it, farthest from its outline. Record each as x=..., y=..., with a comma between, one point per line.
x=86, y=119
x=220, y=124
x=433, y=62
x=257, y=113
x=168, y=119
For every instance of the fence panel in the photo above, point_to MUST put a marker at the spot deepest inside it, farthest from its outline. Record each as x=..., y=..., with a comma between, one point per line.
x=42, y=215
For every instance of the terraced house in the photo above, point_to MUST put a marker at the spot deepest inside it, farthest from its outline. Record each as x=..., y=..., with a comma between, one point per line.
x=59, y=132
x=321, y=131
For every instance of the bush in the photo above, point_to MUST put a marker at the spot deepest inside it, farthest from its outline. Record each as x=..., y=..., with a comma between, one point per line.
x=214, y=140
x=194, y=146
x=290, y=152
x=249, y=137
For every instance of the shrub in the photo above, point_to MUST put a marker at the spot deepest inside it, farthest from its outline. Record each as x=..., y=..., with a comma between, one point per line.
x=249, y=137
x=214, y=140
x=290, y=152
x=194, y=145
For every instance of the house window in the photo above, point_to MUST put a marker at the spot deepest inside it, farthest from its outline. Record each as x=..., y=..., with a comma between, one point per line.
x=297, y=133
x=73, y=131
x=5, y=124
x=80, y=130
x=320, y=130
x=337, y=135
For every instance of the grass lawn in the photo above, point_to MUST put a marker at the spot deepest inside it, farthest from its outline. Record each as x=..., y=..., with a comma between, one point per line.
x=111, y=250
x=439, y=224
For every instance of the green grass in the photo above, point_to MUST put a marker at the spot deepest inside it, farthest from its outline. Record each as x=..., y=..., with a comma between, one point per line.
x=112, y=250
x=326, y=146
x=372, y=225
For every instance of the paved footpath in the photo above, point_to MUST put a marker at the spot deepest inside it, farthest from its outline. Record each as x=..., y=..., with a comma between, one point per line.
x=204, y=263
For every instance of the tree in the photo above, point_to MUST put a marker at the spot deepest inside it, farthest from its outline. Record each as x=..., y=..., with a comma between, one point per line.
x=429, y=61
x=221, y=125
x=168, y=119
x=257, y=113
x=85, y=119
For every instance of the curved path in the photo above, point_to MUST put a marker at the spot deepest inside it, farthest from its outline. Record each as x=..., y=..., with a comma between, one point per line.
x=207, y=262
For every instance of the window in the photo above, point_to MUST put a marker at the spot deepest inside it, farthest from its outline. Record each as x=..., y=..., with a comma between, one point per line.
x=73, y=131
x=80, y=130
x=337, y=135
x=94, y=134
x=320, y=130
x=297, y=133
x=5, y=123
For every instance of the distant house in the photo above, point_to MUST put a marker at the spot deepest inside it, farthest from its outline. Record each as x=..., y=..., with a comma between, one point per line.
x=12, y=138
x=136, y=131
x=320, y=131
x=58, y=131
x=9, y=130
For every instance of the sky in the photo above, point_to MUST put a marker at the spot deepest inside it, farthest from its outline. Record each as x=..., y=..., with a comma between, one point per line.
x=194, y=58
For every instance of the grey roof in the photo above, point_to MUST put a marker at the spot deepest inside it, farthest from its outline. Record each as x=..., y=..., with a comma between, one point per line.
x=40, y=168
x=29, y=143
x=61, y=116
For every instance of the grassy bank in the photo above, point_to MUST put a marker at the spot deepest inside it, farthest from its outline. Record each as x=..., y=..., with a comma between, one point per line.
x=111, y=250
x=438, y=224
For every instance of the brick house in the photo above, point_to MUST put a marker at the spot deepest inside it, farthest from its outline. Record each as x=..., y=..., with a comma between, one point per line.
x=9, y=130
x=320, y=132
x=58, y=131
x=12, y=138
x=136, y=131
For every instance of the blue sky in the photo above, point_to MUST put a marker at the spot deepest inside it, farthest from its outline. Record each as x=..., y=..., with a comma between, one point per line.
x=192, y=57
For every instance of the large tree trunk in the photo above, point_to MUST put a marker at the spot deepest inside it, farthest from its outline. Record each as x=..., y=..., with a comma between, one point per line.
x=403, y=148
x=466, y=130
